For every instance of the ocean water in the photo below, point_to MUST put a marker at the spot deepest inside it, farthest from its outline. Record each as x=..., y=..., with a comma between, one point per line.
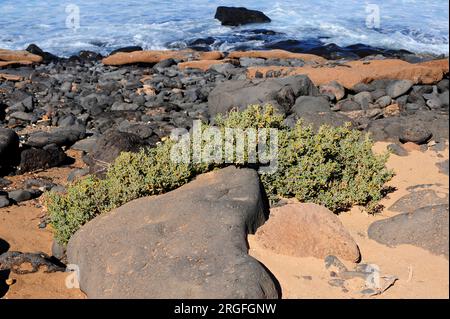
x=66, y=27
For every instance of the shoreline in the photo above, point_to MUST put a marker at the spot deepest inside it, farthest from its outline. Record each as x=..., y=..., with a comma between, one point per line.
x=329, y=51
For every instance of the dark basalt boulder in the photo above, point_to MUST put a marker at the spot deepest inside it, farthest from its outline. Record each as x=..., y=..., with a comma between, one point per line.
x=189, y=243
x=233, y=16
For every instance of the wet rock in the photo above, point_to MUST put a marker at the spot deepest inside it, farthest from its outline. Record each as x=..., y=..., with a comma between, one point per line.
x=232, y=16
x=307, y=230
x=89, y=56
x=46, y=56
x=193, y=236
x=132, y=48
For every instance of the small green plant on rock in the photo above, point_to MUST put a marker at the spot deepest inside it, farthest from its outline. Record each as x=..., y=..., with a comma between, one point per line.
x=334, y=167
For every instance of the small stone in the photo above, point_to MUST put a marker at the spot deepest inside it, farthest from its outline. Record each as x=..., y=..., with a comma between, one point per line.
x=77, y=173
x=383, y=101
x=10, y=281
x=391, y=110
x=369, y=292
x=443, y=167
x=337, y=283
x=4, y=182
x=397, y=150
x=348, y=105
x=363, y=99
x=58, y=251
x=434, y=103
x=58, y=189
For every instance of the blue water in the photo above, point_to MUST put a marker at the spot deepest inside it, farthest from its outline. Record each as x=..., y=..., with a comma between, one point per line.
x=416, y=25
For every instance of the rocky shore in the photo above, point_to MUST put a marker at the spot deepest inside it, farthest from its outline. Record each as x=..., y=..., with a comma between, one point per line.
x=96, y=107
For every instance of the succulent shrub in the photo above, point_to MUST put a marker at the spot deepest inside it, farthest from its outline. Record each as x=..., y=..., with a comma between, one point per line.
x=334, y=167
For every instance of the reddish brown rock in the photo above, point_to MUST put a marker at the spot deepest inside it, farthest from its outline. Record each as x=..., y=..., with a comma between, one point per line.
x=20, y=57
x=276, y=54
x=10, y=77
x=122, y=58
x=307, y=230
x=354, y=72
x=391, y=110
x=203, y=65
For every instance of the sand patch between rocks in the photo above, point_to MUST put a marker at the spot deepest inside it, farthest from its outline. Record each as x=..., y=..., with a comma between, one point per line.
x=421, y=274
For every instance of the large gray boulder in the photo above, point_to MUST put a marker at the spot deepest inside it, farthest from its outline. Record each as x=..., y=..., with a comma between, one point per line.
x=188, y=243
x=232, y=16
x=426, y=227
x=281, y=93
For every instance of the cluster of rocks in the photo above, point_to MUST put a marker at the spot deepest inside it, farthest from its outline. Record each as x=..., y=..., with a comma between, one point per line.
x=83, y=104
x=194, y=237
